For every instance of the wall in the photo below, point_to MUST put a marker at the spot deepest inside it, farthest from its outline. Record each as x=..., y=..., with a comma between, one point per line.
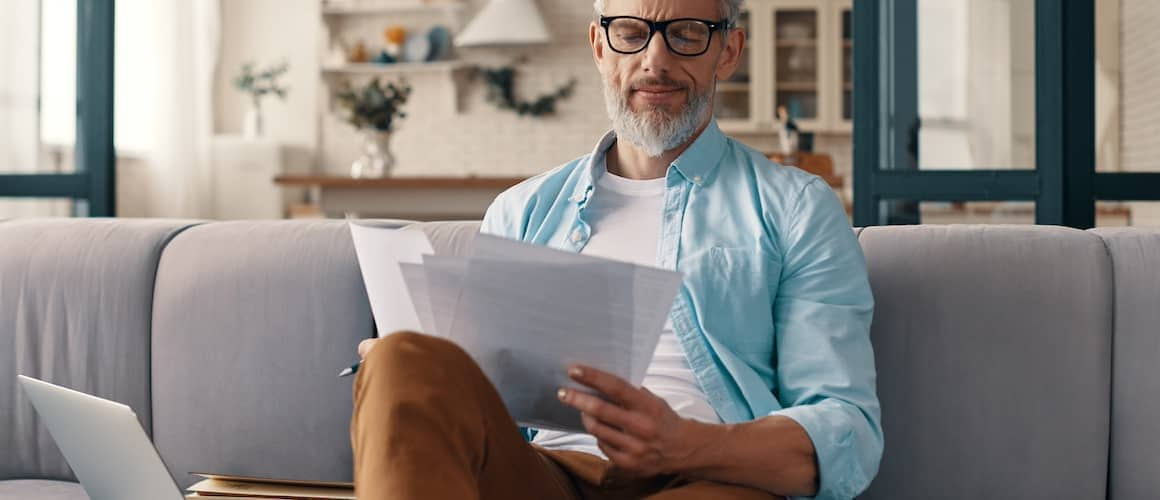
x=267, y=32
x=479, y=139
x=1140, y=85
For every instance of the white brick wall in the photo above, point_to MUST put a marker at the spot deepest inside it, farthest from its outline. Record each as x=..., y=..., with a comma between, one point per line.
x=1140, y=87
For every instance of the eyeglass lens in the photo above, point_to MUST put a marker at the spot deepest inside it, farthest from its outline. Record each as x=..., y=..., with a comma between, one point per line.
x=686, y=37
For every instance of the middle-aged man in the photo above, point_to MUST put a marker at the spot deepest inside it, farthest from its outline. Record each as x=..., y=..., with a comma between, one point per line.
x=762, y=384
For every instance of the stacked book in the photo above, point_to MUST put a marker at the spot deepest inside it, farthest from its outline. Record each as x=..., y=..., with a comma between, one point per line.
x=241, y=488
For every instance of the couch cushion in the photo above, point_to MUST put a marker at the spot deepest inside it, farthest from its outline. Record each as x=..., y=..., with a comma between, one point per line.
x=993, y=350
x=41, y=490
x=1135, y=465
x=450, y=238
x=75, y=299
x=252, y=323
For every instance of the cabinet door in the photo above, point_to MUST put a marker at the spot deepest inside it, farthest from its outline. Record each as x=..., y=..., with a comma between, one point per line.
x=734, y=106
x=845, y=60
x=797, y=68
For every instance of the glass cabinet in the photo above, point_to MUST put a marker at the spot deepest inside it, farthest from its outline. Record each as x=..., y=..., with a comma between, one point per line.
x=797, y=59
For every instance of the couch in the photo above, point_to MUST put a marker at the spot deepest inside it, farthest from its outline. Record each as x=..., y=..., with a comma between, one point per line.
x=1014, y=362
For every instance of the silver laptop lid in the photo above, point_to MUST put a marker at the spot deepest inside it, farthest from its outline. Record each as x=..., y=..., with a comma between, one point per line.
x=103, y=443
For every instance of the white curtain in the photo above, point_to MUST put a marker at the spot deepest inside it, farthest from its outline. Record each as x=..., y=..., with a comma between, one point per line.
x=167, y=58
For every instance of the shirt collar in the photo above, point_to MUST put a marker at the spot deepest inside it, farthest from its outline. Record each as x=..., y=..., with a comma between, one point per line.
x=697, y=164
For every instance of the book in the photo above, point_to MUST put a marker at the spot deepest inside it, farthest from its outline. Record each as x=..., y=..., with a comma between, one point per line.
x=241, y=487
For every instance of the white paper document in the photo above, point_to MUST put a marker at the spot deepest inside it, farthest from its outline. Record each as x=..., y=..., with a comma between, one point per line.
x=523, y=312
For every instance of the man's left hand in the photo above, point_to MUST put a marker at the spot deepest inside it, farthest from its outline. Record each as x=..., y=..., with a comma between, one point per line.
x=635, y=428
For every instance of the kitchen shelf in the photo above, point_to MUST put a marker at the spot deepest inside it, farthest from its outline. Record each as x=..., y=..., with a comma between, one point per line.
x=352, y=9
x=394, y=68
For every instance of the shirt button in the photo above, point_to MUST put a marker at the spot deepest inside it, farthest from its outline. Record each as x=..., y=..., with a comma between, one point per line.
x=697, y=179
x=577, y=236
x=575, y=198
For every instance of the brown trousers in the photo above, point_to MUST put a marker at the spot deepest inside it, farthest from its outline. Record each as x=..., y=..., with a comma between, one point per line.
x=429, y=425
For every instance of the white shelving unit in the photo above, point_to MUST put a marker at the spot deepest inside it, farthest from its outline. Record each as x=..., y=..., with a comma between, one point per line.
x=795, y=56
x=344, y=21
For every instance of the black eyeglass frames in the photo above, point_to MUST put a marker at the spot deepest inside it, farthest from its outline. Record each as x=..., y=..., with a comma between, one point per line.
x=686, y=36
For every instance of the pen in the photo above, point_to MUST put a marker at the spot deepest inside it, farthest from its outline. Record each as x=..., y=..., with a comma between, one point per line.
x=350, y=371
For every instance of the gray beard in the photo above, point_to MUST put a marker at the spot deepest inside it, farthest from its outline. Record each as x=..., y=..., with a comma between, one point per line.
x=655, y=131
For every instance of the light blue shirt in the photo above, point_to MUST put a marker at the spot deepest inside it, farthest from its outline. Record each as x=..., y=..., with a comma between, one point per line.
x=774, y=311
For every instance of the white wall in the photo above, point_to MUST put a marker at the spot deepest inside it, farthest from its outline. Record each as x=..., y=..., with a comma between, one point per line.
x=268, y=32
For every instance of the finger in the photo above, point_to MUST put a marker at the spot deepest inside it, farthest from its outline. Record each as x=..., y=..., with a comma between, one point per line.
x=610, y=385
x=620, y=460
x=610, y=413
x=606, y=433
x=365, y=347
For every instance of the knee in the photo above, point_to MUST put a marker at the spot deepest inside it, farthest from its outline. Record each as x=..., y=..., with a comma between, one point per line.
x=414, y=355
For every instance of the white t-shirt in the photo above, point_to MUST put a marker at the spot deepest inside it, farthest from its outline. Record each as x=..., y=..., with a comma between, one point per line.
x=625, y=216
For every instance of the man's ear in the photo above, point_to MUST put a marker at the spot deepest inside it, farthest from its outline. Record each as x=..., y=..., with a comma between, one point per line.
x=731, y=56
x=597, y=43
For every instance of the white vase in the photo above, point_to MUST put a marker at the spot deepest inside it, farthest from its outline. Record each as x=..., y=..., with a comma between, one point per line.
x=252, y=124
x=376, y=159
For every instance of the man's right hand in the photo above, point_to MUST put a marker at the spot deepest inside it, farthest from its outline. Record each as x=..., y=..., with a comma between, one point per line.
x=365, y=347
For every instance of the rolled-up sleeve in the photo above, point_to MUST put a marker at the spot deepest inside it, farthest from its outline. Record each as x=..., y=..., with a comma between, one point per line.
x=824, y=360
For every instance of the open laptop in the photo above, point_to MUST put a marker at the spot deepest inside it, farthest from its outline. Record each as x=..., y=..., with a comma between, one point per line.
x=103, y=442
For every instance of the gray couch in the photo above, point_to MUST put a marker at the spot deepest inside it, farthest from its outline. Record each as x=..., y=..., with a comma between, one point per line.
x=1014, y=362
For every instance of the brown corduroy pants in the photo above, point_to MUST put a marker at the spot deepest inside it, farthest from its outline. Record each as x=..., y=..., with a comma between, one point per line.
x=429, y=425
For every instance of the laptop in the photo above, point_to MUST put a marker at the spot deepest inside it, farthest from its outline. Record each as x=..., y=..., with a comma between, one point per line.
x=103, y=442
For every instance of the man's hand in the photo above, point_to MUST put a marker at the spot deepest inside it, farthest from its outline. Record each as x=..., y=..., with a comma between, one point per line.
x=636, y=429
x=364, y=347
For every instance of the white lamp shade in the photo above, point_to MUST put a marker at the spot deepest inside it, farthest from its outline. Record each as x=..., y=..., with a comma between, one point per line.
x=505, y=22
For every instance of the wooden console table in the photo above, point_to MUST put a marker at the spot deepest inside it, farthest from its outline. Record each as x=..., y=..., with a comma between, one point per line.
x=412, y=198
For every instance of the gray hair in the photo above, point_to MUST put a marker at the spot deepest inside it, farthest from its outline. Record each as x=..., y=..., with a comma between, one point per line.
x=730, y=8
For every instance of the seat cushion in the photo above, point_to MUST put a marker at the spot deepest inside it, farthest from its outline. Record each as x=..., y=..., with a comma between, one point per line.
x=75, y=303
x=41, y=490
x=1136, y=379
x=993, y=349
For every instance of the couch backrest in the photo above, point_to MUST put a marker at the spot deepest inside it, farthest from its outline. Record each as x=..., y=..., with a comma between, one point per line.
x=252, y=322
x=75, y=300
x=1135, y=463
x=993, y=350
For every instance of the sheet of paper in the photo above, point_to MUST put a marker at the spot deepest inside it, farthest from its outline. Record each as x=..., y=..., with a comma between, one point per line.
x=444, y=277
x=415, y=277
x=380, y=251
x=526, y=313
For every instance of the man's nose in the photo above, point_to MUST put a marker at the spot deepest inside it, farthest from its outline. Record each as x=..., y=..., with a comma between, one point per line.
x=657, y=56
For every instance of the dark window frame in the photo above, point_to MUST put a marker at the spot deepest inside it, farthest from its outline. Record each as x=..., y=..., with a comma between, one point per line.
x=93, y=185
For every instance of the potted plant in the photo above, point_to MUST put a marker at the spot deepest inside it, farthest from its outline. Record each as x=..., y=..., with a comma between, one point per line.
x=258, y=84
x=374, y=110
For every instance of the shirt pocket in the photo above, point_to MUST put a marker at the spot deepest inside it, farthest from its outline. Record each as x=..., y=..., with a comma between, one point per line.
x=733, y=290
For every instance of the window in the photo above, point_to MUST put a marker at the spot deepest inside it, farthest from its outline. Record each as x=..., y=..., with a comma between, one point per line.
x=56, y=104
x=966, y=105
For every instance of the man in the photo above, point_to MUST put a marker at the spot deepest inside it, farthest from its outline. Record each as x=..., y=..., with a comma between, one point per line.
x=762, y=384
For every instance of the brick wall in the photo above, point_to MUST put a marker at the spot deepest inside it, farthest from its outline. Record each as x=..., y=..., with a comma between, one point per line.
x=1140, y=85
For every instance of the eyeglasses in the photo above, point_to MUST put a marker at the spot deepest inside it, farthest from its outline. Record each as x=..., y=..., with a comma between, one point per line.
x=685, y=37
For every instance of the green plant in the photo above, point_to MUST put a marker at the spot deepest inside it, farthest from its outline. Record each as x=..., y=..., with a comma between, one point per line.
x=259, y=83
x=374, y=105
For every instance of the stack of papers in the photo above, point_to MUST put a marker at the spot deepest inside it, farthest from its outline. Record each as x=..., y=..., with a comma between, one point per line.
x=523, y=312
x=237, y=488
